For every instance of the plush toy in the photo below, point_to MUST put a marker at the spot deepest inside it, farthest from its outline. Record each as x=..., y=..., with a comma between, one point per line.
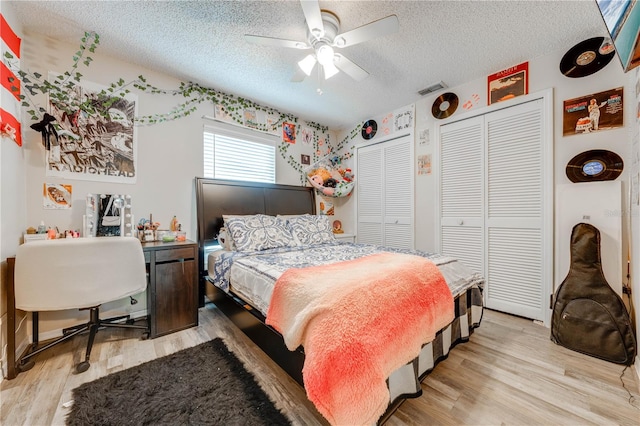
x=322, y=172
x=317, y=179
x=330, y=183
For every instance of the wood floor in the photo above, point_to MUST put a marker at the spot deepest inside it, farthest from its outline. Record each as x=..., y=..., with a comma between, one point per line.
x=510, y=373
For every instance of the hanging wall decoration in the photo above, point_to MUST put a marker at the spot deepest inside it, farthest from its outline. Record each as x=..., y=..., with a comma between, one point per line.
x=330, y=178
x=508, y=83
x=289, y=133
x=56, y=196
x=97, y=143
x=10, y=126
x=594, y=112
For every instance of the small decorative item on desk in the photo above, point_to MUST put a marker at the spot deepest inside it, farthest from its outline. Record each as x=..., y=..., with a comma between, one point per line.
x=147, y=229
x=165, y=236
x=181, y=236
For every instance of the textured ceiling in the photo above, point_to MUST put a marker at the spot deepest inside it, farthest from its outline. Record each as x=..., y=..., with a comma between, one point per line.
x=202, y=41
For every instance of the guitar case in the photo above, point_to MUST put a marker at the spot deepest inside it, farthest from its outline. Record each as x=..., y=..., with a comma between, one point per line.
x=588, y=315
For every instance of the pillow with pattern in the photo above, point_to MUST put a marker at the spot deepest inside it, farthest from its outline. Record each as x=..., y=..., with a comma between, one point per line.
x=310, y=229
x=258, y=232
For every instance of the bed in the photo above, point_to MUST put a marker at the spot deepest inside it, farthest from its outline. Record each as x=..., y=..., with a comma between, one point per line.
x=249, y=287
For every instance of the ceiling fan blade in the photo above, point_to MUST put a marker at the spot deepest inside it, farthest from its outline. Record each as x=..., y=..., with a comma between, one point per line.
x=277, y=42
x=379, y=28
x=350, y=68
x=311, y=10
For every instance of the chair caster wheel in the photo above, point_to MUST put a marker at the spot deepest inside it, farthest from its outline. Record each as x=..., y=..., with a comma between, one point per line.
x=26, y=366
x=82, y=367
x=145, y=336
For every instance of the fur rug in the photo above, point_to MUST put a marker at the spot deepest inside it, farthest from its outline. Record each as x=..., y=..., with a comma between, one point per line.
x=203, y=385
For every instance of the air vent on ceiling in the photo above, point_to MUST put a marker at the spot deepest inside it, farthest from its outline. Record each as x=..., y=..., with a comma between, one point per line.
x=432, y=88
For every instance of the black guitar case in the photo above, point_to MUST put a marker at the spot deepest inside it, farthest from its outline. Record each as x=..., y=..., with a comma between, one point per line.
x=588, y=315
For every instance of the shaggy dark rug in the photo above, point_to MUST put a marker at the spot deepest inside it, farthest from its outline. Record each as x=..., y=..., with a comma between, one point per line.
x=203, y=385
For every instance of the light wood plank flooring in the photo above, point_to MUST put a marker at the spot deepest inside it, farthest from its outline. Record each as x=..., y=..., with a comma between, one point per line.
x=510, y=373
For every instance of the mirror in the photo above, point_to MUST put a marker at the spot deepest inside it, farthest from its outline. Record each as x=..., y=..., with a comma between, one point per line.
x=108, y=215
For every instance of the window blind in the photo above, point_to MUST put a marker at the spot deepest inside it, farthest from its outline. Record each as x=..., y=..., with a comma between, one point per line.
x=238, y=158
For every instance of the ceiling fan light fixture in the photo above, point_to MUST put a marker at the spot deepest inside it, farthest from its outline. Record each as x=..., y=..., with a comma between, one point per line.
x=307, y=64
x=329, y=70
x=317, y=33
x=325, y=55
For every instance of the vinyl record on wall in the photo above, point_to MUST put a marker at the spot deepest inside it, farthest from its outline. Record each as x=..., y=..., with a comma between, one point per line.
x=369, y=129
x=445, y=105
x=594, y=165
x=586, y=58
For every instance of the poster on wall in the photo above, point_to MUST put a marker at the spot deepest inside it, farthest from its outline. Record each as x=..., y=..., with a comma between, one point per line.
x=424, y=164
x=508, y=83
x=101, y=146
x=593, y=113
x=326, y=206
x=289, y=132
x=56, y=196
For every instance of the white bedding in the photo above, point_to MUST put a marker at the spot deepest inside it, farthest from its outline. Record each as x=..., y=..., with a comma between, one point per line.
x=252, y=276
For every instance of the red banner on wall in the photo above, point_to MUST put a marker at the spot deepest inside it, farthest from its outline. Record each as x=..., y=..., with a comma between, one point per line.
x=10, y=97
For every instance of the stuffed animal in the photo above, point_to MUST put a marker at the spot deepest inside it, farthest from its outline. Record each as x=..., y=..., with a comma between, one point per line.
x=330, y=183
x=317, y=179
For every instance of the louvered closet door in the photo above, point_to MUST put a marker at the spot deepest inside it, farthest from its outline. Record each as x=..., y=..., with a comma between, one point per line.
x=398, y=193
x=462, y=192
x=385, y=193
x=514, y=216
x=369, y=192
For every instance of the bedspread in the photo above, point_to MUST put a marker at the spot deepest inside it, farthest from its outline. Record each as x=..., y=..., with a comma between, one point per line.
x=358, y=328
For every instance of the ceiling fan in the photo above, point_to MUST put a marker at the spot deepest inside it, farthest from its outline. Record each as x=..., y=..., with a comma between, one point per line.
x=323, y=36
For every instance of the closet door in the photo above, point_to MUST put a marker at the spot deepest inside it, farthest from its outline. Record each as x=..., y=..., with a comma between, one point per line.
x=462, y=192
x=398, y=193
x=514, y=215
x=495, y=204
x=385, y=193
x=370, y=195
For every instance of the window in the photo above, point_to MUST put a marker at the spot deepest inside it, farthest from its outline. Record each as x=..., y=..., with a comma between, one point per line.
x=238, y=155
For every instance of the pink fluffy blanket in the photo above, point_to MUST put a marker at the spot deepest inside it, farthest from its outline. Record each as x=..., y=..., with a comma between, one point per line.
x=358, y=321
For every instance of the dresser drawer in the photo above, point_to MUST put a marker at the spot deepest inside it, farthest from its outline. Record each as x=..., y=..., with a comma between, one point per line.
x=175, y=254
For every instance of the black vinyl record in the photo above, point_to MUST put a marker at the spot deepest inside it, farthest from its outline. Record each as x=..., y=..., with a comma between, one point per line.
x=585, y=58
x=369, y=129
x=594, y=165
x=444, y=105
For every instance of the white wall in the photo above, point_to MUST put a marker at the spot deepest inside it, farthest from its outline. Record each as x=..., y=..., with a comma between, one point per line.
x=635, y=214
x=12, y=201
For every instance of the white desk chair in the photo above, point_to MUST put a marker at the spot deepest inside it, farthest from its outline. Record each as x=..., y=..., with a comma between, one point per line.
x=77, y=273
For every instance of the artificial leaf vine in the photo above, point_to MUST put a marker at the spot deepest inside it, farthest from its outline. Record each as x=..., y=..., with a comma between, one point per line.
x=62, y=92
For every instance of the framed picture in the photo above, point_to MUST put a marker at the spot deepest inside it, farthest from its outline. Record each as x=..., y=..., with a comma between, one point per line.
x=509, y=83
x=305, y=159
x=593, y=113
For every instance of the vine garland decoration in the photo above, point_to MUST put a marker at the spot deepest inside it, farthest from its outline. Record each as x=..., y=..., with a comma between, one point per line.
x=63, y=85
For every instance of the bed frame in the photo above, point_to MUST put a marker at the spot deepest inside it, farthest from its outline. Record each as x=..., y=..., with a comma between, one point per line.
x=215, y=198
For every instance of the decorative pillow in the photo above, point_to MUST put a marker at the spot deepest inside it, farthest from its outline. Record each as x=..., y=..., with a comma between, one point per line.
x=310, y=229
x=258, y=232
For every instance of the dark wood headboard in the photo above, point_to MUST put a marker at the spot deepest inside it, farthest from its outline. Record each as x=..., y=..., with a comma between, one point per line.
x=215, y=197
